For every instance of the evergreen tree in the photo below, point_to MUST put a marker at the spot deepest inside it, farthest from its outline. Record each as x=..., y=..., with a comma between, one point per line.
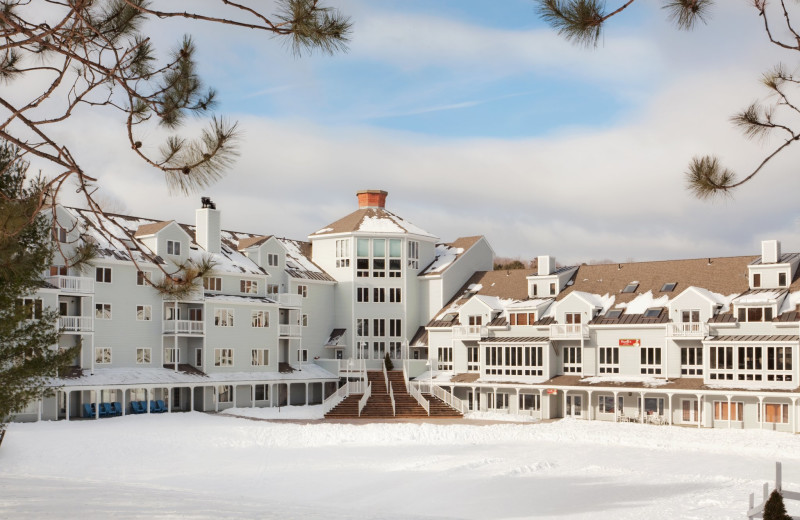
x=29, y=356
x=388, y=362
x=774, y=509
x=582, y=22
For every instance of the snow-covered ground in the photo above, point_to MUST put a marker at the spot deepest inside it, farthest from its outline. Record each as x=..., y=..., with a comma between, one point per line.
x=194, y=465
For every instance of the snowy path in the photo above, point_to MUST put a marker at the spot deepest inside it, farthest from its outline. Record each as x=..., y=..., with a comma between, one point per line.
x=201, y=466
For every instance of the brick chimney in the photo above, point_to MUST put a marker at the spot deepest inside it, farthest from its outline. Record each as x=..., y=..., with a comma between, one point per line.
x=371, y=199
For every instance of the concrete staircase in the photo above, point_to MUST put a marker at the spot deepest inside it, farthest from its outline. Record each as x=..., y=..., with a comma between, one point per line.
x=379, y=405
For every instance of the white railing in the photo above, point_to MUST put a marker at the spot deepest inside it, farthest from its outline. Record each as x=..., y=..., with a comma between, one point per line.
x=290, y=330
x=569, y=330
x=450, y=400
x=349, y=366
x=414, y=392
x=391, y=396
x=364, y=398
x=335, y=398
x=288, y=299
x=183, y=327
x=75, y=323
x=470, y=332
x=388, y=387
x=78, y=284
x=690, y=330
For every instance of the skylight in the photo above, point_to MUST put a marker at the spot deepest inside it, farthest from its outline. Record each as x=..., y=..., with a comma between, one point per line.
x=652, y=313
x=669, y=287
x=614, y=313
x=631, y=287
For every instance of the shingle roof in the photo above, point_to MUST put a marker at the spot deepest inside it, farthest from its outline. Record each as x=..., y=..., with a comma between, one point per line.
x=447, y=254
x=420, y=338
x=150, y=229
x=371, y=220
x=256, y=240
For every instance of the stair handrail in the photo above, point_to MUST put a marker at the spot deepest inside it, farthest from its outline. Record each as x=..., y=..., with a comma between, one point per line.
x=449, y=399
x=385, y=376
x=391, y=396
x=414, y=392
x=335, y=398
x=364, y=398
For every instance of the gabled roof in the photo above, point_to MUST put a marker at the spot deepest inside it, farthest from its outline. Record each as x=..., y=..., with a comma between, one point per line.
x=371, y=220
x=248, y=242
x=448, y=254
x=151, y=229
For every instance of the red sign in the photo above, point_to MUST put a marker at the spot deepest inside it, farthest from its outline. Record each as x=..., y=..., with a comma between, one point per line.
x=552, y=391
x=630, y=342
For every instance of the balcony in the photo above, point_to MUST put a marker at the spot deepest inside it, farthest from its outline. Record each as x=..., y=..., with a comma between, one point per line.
x=470, y=332
x=73, y=284
x=687, y=330
x=288, y=299
x=290, y=330
x=75, y=323
x=569, y=331
x=184, y=327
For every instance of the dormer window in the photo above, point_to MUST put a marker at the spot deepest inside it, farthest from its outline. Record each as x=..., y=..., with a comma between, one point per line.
x=614, y=314
x=782, y=280
x=521, y=318
x=534, y=290
x=755, y=314
x=652, y=313
x=552, y=289
x=669, y=287
x=173, y=247
x=757, y=280
x=631, y=287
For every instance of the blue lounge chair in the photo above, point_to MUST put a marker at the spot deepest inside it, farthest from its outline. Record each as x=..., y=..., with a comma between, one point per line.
x=153, y=407
x=162, y=407
x=105, y=410
x=88, y=410
x=116, y=408
x=137, y=407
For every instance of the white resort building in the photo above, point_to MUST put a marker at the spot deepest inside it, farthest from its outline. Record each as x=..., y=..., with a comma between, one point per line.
x=708, y=342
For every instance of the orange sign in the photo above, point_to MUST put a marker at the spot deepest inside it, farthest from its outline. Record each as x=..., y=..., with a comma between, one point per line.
x=630, y=342
x=552, y=391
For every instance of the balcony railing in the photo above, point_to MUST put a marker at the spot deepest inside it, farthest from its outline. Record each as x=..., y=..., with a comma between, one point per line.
x=290, y=330
x=288, y=299
x=569, y=331
x=73, y=284
x=688, y=330
x=470, y=332
x=75, y=323
x=183, y=327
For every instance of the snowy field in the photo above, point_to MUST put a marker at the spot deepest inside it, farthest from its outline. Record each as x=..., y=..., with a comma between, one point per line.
x=194, y=466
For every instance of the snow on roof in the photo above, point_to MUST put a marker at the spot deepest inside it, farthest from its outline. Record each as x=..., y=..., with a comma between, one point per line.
x=719, y=299
x=528, y=304
x=372, y=220
x=603, y=302
x=763, y=296
x=445, y=256
x=298, y=264
x=790, y=302
x=646, y=380
x=232, y=298
x=642, y=302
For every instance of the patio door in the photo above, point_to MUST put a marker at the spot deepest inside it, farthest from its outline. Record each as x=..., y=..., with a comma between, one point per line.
x=689, y=412
x=574, y=404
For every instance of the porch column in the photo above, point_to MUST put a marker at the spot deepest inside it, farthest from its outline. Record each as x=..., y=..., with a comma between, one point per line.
x=233, y=387
x=475, y=400
x=123, y=401
x=541, y=406
x=589, y=406
x=669, y=420
x=67, y=401
x=252, y=396
x=191, y=398
x=214, y=390
x=699, y=409
x=96, y=404
x=641, y=407
x=39, y=418
x=794, y=414
x=307, y=394
x=729, y=410
x=494, y=398
x=760, y=411
x=147, y=399
x=616, y=410
x=171, y=395
x=564, y=414
x=516, y=406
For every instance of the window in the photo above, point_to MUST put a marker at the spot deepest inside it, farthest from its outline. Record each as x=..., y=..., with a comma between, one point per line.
x=413, y=254
x=395, y=247
x=530, y=402
x=378, y=327
x=512, y=360
x=59, y=234
x=272, y=288
x=690, y=320
x=750, y=363
x=653, y=312
x=102, y=355
x=692, y=361
x=722, y=412
x=552, y=289
x=779, y=363
x=395, y=295
x=32, y=308
x=143, y=356
x=395, y=328
x=343, y=253
x=362, y=294
x=631, y=287
x=650, y=360
x=261, y=392
x=304, y=320
x=58, y=270
x=142, y=277
x=259, y=357
x=363, y=349
x=102, y=311
x=223, y=317
x=379, y=295
x=534, y=289
x=473, y=361
x=521, y=318
x=212, y=283
x=362, y=252
x=573, y=325
x=223, y=357
x=272, y=259
x=720, y=363
x=362, y=327
x=260, y=319
x=572, y=360
x=754, y=314
x=606, y=404
x=144, y=312
x=781, y=279
x=172, y=355
x=609, y=360
x=198, y=357
x=445, y=358
x=224, y=394
x=302, y=355
x=669, y=287
x=775, y=413
x=613, y=314
x=173, y=247
x=395, y=350
x=302, y=290
x=379, y=257
x=757, y=280
x=195, y=314
x=378, y=350
x=102, y=274
x=476, y=320
x=248, y=286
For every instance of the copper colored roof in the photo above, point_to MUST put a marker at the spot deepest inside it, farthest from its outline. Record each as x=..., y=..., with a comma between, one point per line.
x=514, y=339
x=755, y=338
x=723, y=317
x=681, y=383
x=632, y=319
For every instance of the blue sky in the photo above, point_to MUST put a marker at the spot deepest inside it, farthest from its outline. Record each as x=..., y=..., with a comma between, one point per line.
x=479, y=120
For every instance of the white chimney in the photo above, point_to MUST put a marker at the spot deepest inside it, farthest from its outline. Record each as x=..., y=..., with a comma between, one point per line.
x=546, y=265
x=207, y=224
x=770, y=251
